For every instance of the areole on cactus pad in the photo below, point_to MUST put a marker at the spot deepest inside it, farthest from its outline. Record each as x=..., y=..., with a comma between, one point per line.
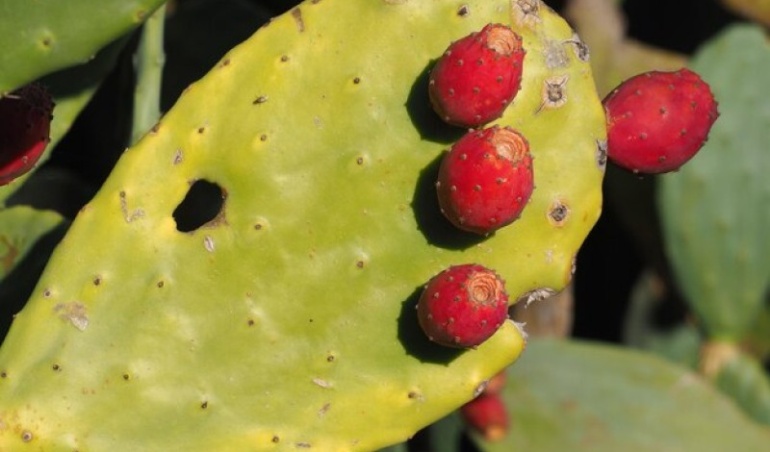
x=288, y=321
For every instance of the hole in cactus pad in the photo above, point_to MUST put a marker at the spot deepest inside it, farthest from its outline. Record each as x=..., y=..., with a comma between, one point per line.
x=202, y=205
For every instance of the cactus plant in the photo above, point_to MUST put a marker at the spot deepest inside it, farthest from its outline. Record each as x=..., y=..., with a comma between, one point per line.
x=617, y=56
x=28, y=234
x=719, y=248
x=715, y=235
x=269, y=325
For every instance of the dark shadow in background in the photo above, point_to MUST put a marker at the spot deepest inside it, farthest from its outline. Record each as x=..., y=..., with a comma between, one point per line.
x=681, y=26
x=607, y=267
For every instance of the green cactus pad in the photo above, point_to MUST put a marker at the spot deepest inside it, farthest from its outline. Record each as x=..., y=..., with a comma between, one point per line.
x=22, y=226
x=713, y=210
x=287, y=320
x=579, y=396
x=44, y=36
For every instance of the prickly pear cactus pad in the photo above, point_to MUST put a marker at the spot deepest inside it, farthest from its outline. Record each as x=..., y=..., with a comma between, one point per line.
x=288, y=320
x=716, y=237
x=40, y=37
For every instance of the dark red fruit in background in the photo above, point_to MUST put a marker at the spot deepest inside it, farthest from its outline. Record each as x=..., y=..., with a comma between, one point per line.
x=477, y=77
x=25, y=122
x=487, y=415
x=463, y=306
x=657, y=121
x=485, y=180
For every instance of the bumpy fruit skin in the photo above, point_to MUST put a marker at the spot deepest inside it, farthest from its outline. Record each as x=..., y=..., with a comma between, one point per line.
x=657, y=121
x=25, y=123
x=486, y=179
x=463, y=306
x=487, y=415
x=477, y=76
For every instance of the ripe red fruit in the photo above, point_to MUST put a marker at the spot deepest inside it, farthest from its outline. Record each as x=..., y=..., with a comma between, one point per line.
x=487, y=415
x=486, y=179
x=25, y=121
x=463, y=306
x=477, y=77
x=657, y=121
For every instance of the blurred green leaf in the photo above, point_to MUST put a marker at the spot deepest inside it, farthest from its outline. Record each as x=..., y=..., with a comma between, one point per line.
x=679, y=344
x=713, y=210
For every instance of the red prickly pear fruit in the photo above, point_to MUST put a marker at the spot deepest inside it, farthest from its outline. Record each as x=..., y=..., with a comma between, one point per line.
x=463, y=306
x=477, y=77
x=657, y=121
x=487, y=415
x=485, y=180
x=25, y=123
